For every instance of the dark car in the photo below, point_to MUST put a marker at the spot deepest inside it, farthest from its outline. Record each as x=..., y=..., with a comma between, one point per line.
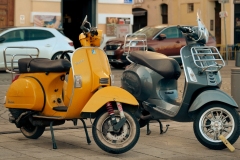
x=163, y=39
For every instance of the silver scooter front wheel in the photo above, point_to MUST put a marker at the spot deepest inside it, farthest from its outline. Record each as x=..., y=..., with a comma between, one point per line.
x=214, y=120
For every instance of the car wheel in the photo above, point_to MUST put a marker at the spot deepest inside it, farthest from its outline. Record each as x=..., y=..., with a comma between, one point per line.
x=118, y=66
x=58, y=54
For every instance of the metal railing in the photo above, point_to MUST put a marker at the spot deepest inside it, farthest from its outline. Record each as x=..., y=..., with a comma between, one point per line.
x=232, y=51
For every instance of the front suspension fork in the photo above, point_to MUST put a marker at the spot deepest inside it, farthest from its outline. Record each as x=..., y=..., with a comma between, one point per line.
x=119, y=124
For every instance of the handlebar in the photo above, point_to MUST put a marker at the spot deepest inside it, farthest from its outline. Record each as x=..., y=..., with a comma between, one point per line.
x=85, y=29
x=184, y=29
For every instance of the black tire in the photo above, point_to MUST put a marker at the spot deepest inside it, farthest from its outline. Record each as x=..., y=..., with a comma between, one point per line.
x=126, y=140
x=32, y=132
x=118, y=66
x=28, y=130
x=58, y=54
x=218, y=118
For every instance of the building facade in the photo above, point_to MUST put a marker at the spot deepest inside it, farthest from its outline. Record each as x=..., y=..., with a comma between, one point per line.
x=136, y=13
x=182, y=12
x=70, y=13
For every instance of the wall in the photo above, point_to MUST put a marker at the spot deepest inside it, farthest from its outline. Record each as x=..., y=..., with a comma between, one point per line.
x=29, y=7
x=105, y=10
x=177, y=14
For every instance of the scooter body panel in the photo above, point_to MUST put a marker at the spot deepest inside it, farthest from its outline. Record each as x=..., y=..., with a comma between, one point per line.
x=46, y=89
x=25, y=93
x=108, y=94
x=91, y=65
x=210, y=96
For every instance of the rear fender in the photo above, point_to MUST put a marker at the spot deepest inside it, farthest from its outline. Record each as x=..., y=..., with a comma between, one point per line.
x=108, y=94
x=210, y=96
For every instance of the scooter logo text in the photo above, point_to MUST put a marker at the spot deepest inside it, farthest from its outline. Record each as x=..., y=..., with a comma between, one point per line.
x=77, y=63
x=9, y=101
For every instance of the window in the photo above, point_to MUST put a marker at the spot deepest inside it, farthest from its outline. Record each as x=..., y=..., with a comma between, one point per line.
x=14, y=36
x=164, y=13
x=34, y=34
x=190, y=7
x=172, y=32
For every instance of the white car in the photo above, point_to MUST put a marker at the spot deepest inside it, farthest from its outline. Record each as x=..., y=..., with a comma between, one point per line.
x=50, y=42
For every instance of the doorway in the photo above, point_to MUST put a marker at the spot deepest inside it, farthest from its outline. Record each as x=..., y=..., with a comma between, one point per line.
x=218, y=27
x=237, y=24
x=73, y=13
x=6, y=13
x=140, y=18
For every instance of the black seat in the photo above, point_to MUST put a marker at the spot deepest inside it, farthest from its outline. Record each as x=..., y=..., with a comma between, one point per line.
x=160, y=63
x=32, y=65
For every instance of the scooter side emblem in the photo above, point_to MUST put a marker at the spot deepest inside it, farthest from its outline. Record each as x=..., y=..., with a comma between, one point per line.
x=9, y=101
x=93, y=51
x=79, y=62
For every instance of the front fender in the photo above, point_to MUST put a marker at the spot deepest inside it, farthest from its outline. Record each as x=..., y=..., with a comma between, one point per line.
x=209, y=96
x=106, y=94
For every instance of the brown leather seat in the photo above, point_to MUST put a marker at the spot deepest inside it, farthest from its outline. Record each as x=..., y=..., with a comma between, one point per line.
x=31, y=65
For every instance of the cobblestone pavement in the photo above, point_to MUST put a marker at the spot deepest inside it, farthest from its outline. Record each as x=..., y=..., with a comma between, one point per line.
x=179, y=143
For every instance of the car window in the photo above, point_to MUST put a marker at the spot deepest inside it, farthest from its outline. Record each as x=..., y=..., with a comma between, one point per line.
x=172, y=32
x=36, y=34
x=148, y=31
x=14, y=36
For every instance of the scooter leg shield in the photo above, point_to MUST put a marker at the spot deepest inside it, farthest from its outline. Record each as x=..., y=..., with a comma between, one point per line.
x=104, y=95
x=25, y=93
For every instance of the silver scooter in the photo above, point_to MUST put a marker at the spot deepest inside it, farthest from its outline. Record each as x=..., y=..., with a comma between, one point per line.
x=152, y=79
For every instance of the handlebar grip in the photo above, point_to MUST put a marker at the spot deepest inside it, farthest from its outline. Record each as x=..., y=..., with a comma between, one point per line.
x=94, y=31
x=84, y=29
x=184, y=30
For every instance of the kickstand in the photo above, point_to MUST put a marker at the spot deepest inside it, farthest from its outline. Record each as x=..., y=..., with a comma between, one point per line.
x=52, y=134
x=148, y=130
x=86, y=132
x=160, y=125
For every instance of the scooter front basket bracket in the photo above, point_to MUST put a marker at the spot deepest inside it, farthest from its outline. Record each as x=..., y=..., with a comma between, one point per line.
x=207, y=58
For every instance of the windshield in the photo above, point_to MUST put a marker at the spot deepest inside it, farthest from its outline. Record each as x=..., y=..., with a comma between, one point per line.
x=203, y=33
x=150, y=32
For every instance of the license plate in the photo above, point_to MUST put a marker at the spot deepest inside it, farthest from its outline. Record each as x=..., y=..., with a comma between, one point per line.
x=110, y=52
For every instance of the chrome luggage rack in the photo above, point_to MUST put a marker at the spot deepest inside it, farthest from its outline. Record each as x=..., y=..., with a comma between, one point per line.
x=134, y=42
x=207, y=58
x=16, y=55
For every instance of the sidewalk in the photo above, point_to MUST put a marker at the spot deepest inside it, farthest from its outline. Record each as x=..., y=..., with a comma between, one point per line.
x=179, y=143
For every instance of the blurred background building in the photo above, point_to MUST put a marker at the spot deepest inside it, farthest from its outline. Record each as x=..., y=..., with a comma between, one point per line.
x=133, y=13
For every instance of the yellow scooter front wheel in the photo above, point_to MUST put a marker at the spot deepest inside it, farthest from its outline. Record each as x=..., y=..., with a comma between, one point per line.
x=116, y=142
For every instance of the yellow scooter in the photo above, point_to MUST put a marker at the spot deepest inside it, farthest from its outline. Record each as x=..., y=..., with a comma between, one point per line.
x=41, y=97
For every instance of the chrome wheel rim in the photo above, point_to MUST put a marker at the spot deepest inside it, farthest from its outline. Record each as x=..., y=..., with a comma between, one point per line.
x=214, y=122
x=115, y=137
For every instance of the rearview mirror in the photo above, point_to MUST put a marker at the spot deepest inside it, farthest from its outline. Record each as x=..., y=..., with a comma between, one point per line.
x=162, y=36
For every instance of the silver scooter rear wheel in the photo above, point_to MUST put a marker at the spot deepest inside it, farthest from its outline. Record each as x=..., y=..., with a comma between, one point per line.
x=115, y=141
x=214, y=120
